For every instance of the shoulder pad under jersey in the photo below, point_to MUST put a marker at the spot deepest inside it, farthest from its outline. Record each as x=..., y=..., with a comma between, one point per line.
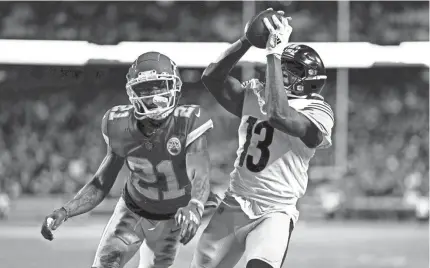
x=197, y=119
x=113, y=119
x=320, y=113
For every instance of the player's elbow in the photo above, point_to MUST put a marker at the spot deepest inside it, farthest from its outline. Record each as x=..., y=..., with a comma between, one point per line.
x=100, y=185
x=205, y=79
x=201, y=173
x=213, y=74
x=212, y=84
x=208, y=79
x=207, y=74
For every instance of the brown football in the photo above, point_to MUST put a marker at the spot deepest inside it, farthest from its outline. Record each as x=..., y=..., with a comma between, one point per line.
x=257, y=33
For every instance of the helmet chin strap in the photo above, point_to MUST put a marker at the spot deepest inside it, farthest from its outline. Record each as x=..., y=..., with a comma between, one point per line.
x=155, y=116
x=161, y=111
x=161, y=116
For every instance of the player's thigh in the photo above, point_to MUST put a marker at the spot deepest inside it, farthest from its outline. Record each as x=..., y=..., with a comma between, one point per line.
x=121, y=238
x=162, y=241
x=218, y=245
x=269, y=239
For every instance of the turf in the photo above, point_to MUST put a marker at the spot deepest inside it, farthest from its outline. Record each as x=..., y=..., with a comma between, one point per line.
x=313, y=244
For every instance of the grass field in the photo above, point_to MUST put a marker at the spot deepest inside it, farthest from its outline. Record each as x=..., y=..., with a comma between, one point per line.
x=314, y=244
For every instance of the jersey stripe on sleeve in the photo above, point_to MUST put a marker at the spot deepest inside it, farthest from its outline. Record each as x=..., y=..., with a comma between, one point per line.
x=198, y=132
x=321, y=106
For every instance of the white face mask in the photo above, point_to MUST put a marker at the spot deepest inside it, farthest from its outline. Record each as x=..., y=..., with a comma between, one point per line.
x=163, y=95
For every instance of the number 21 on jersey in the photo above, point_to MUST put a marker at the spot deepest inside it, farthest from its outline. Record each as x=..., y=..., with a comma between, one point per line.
x=155, y=182
x=252, y=163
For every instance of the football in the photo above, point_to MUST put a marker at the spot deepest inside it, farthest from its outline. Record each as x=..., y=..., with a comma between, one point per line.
x=256, y=32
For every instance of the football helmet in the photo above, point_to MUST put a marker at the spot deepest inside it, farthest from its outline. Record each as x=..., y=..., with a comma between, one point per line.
x=303, y=70
x=153, y=86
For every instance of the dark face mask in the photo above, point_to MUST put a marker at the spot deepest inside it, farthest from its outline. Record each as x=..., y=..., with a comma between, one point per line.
x=292, y=73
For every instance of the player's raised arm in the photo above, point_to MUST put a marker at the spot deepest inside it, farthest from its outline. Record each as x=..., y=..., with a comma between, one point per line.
x=198, y=169
x=304, y=77
x=281, y=116
x=226, y=89
x=91, y=195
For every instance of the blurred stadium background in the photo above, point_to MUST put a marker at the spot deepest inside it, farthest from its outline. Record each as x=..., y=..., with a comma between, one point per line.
x=367, y=203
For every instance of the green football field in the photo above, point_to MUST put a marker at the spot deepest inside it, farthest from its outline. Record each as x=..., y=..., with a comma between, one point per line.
x=314, y=244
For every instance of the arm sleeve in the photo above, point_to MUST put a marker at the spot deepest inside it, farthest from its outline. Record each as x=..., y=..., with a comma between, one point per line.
x=200, y=123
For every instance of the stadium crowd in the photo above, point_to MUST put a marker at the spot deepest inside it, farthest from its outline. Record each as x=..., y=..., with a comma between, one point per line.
x=51, y=142
x=207, y=21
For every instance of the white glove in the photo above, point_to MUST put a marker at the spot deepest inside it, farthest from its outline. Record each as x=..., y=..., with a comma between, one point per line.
x=279, y=37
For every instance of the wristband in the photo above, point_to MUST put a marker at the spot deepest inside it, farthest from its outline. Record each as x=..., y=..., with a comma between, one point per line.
x=199, y=204
x=67, y=213
x=244, y=40
x=277, y=55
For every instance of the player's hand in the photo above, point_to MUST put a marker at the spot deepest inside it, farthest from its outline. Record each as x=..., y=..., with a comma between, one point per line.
x=279, y=35
x=189, y=218
x=52, y=222
x=280, y=12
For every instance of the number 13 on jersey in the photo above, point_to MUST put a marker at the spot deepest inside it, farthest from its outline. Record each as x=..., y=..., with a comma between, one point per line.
x=253, y=163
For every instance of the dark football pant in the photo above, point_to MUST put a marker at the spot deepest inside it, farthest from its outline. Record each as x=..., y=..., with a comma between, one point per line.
x=124, y=235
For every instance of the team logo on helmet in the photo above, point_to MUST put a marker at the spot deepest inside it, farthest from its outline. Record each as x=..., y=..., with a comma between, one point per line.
x=174, y=146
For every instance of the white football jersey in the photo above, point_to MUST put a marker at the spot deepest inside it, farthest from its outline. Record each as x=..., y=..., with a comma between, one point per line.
x=270, y=171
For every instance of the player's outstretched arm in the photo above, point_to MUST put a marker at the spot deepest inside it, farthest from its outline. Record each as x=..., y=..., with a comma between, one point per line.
x=198, y=169
x=91, y=195
x=226, y=89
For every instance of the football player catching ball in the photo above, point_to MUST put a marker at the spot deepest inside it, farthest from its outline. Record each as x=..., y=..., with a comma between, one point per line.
x=284, y=120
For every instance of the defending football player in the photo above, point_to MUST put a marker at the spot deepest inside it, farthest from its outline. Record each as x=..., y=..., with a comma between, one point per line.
x=283, y=122
x=164, y=146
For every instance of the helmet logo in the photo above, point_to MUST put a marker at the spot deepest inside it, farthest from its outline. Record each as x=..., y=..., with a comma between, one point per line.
x=147, y=75
x=312, y=72
x=174, y=146
x=291, y=49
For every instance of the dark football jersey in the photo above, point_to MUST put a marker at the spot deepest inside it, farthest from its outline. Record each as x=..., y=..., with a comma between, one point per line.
x=158, y=182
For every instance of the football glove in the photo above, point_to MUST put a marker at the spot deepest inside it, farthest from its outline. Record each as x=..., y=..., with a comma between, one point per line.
x=189, y=218
x=279, y=36
x=52, y=222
